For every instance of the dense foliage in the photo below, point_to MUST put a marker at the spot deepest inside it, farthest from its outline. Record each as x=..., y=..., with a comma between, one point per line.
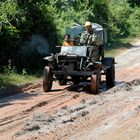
x=20, y=19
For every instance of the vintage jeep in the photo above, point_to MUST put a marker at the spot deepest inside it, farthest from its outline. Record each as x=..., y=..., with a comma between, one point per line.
x=77, y=64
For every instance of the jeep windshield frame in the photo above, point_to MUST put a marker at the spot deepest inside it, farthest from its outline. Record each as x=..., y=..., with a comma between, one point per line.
x=74, y=50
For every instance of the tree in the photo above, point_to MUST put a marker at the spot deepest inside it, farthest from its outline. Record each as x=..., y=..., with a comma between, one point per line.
x=20, y=20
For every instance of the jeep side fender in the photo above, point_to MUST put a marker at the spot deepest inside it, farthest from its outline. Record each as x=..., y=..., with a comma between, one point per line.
x=108, y=61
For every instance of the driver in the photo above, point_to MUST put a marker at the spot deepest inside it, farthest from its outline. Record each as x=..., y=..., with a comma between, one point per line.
x=89, y=38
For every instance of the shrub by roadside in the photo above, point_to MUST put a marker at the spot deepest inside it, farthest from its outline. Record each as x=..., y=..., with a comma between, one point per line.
x=11, y=78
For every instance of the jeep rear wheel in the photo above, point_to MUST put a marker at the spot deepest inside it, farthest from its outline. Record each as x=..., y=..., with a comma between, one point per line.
x=110, y=76
x=76, y=80
x=62, y=82
x=47, y=79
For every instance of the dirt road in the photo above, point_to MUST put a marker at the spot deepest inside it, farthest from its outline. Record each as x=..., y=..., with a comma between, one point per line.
x=72, y=113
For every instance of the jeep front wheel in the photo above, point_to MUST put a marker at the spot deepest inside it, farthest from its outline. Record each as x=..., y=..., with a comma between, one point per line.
x=95, y=83
x=47, y=79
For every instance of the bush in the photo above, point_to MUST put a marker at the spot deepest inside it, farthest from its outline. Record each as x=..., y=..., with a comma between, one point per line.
x=20, y=20
x=134, y=22
x=119, y=12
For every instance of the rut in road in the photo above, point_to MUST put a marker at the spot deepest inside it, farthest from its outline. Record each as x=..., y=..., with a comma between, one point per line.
x=100, y=106
x=61, y=96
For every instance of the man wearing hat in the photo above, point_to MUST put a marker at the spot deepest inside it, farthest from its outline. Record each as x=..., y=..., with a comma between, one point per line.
x=89, y=38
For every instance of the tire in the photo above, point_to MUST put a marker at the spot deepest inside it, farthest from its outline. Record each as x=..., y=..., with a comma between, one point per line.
x=47, y=79
x=110, y=76
x=95, y=83
x=75, y=80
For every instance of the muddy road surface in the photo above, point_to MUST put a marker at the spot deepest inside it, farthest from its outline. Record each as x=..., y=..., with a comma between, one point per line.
x=71, y=113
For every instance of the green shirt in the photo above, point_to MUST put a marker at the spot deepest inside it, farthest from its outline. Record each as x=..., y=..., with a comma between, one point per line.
x=88, y=38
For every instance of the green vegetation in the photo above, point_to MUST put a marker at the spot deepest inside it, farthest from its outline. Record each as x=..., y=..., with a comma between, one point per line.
x=20, y=19
x=10, y=77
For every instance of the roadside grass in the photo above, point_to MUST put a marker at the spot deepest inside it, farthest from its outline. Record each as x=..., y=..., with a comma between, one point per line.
x=12, y=79
x=118, y=46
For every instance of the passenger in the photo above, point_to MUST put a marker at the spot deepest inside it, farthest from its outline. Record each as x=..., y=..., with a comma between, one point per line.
x=67, y=41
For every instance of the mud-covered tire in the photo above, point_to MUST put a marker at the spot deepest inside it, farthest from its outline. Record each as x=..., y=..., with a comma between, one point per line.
x=47, y=79
x=76, y=80
x=95, y=83
x=110, y=76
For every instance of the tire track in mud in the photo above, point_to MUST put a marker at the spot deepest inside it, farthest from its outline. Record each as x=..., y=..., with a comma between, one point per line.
x=60, y=99
x=55, y=99
x=76, y=116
